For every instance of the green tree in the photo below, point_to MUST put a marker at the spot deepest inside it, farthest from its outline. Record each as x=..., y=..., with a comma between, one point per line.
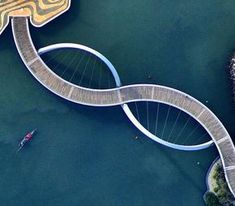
x=211, y=199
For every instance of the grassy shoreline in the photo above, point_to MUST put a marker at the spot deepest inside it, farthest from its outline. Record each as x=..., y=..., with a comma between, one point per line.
x=210, y=181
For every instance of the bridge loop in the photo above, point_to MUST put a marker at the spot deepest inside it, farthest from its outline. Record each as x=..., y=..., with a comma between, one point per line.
x=125, y=107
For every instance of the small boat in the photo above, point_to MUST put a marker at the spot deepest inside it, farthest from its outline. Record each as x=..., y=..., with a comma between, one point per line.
x=26, y=139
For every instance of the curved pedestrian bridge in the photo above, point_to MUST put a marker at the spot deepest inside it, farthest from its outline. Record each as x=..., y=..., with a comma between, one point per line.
x=126, y=94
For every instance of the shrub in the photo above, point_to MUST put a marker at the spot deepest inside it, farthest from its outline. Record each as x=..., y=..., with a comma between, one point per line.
x=211, y=199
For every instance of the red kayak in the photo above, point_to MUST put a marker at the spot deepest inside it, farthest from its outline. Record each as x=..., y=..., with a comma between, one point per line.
x=26, y=139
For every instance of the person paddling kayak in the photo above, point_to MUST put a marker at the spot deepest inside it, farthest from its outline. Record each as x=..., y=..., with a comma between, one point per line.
x=26, y=139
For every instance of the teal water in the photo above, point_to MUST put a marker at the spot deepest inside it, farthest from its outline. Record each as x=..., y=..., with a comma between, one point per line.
x=88, y=156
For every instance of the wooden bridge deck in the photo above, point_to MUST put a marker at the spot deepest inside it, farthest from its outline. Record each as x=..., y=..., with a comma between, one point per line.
x=118, y=96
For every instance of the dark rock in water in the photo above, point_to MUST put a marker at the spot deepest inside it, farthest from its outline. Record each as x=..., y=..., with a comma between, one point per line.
x=232, y=73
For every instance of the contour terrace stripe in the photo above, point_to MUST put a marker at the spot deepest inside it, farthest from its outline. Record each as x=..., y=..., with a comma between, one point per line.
x=39, y=11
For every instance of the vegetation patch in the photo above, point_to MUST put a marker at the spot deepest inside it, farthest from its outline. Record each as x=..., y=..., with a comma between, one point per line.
x=219, y=194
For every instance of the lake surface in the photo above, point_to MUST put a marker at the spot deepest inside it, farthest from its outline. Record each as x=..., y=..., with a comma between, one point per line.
x=89, y=156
